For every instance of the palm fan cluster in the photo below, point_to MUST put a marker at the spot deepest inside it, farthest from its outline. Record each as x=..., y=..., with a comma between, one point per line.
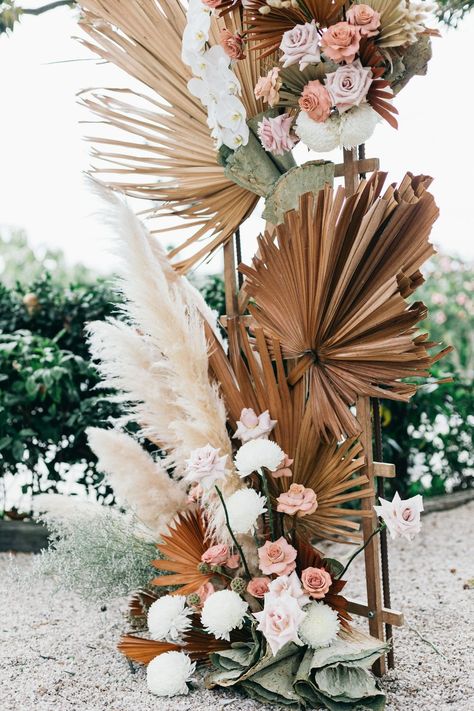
x=158, y=146
x=331, y=290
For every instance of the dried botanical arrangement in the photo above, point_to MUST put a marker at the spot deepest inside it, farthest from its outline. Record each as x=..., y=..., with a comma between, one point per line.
x=261, y=460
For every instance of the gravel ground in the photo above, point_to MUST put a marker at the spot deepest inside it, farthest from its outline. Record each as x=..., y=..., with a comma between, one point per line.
x=58, y=653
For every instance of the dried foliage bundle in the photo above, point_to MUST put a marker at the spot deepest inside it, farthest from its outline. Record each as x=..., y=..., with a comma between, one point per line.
x=332, y=291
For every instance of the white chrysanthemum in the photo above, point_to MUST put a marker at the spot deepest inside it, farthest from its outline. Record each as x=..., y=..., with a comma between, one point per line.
x=256, y=454
x=243, y=508
x=223, y=612
x=168, y=617
x=320, y=137
x=320, y=626
x=357, y=125
x=169, y=674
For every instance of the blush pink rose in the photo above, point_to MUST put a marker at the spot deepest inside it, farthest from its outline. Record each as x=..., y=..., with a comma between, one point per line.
x=402, y=516
x=348, y=85
x=279, y=620
x=315, y=101
x=316, y=582
x=268, y=87
x=289, y=585
x=205, y=591
x=253, y=426
x=233, y=561
x=300, y=45
x=341, y=42
x=233, y=45
x=258, y=587
x=274, y=134
x=216, y=555
x=277, y=557
x=283, y=470
x=365, y=18
x=205, y=466
x=297, y=501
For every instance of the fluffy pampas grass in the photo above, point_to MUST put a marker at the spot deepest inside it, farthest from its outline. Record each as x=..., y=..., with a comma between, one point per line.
x=141, y=484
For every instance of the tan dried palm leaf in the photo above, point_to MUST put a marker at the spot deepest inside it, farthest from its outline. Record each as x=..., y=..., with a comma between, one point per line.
x=266, y=30
x=332, y=289
x=161, y=148
x=182, y=549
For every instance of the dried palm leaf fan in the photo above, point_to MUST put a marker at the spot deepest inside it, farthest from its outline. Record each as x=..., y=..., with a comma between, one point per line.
x=332, y=290
x=163, y=151
x=332, y=470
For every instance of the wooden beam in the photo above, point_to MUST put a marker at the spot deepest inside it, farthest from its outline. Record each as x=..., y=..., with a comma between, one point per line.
x=390, y=617
x=385, y=470
x=230, y=279
x=366, y=165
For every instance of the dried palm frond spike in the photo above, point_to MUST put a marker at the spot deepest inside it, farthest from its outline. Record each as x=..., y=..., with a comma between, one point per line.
x=197, y=644
x=380, y=94
x=332, y=290
x=160, y=148
x=266, y=30
x=182, y=549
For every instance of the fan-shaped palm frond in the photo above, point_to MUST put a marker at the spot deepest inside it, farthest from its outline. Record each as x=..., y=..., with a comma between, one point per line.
x=331, y=290
x=163, y=150
x=196, y=643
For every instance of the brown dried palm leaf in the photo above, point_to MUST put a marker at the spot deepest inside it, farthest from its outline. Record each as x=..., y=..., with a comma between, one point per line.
x=182, y=549
x=196, y=643
x=267, y=30
x=332, y=289
x=160, y=147
x=257, y=376
x=379, y=95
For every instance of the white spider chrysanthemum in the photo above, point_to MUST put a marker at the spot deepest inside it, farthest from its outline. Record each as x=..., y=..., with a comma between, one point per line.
x=223, y=612
x=169, y=674
x=168, y=618
x=320, y=626
x=256, y=454
x=243, y=508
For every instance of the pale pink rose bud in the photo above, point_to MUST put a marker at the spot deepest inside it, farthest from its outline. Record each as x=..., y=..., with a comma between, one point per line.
x=340, y=42
x=365, y=18
x=348, y=85
x=268, y=87
x=402, y=516
x=316, y=582
x=253, y=426
x=274, y=134
x=248, y=417
x=277, y=557
x=300, y=45
x=297, y=501
x=315, y=101
x=258, y=587
x=233, y=45
x=283, y=469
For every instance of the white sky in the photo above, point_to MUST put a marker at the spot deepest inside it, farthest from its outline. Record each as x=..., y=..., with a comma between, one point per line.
x=43, y=156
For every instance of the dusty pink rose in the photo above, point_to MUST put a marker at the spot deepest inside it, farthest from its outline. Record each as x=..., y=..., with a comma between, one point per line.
x=289, y=585
x=205, y=466
x=277, y=557
x=233, y=45
x=365, y=18
x=252, y=426
x=341, y=42
x=300, y=45
x=316, y=582
x=274, y=134
x=205, y=591
x=279, y=620
x=268, y=87
x=315, y=101
x=402, y=516
x=298, y=500
x=233, y=561
x=283, y=470
x=216, y=555
x=348, y=85
x=258, y=587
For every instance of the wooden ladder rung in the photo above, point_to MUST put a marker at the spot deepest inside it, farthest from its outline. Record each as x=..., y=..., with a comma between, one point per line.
x=389, y=617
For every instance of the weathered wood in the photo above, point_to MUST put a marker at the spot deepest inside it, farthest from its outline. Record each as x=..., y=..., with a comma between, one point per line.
x=390, y=617
x=230, y=279
x=366, y=165
x=385, y=470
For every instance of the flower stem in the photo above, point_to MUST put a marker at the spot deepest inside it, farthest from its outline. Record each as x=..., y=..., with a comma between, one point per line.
x=264, y=481
x=236, y=543
x=379, y=528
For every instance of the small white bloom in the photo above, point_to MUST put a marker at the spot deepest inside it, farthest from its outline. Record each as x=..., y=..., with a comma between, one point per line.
x=168, y=618
x=243, y=508
x=169, y=674
x=256, y=454
x=320, y=627
x=230, y=112
x=402, y=516
x=223, y=612
x=357, y=125
x=289, y=585
x=319, y=137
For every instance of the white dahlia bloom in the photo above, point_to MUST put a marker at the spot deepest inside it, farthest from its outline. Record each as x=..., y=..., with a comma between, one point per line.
x=243, y=508
x=169, y=674
x=168, y=617
x=223, y=612
x=256, y=454
x=320, y=627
